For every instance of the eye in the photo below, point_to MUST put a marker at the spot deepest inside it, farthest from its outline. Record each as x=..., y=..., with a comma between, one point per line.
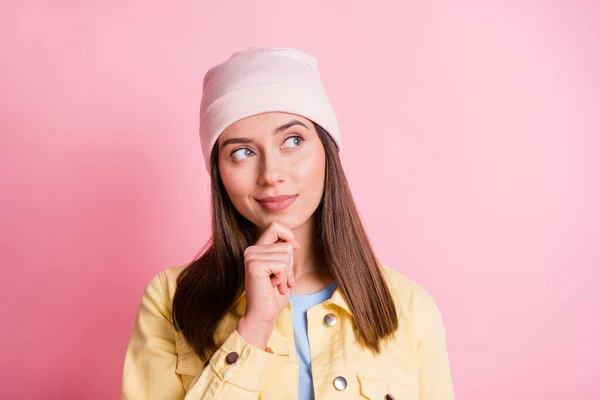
x=241, y=154
x=293, y=141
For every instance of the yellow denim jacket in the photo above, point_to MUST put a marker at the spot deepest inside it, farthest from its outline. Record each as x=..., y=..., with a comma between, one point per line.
x=414, y=366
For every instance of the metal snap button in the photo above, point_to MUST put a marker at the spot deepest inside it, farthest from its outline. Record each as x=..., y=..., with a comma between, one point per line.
x=330, y=320
x=340, y=383
x=232, y=357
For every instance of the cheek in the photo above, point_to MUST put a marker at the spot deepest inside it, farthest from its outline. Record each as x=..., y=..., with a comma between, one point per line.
x=311, y=172
x=236, y=183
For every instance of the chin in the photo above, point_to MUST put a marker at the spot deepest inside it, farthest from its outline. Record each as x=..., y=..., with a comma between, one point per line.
x=289, y=220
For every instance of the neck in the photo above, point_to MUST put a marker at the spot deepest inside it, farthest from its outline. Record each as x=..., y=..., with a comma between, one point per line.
x=308, y=263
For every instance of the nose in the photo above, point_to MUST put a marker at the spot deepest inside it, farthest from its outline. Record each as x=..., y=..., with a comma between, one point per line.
x=271, y=170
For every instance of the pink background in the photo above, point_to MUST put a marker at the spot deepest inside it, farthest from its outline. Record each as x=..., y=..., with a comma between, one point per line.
x=471, y=132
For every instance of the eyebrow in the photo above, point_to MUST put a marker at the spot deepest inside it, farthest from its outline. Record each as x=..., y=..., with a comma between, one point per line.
x=277, y=130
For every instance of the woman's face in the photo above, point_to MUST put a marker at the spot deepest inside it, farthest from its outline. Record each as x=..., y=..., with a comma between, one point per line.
x=273, y=168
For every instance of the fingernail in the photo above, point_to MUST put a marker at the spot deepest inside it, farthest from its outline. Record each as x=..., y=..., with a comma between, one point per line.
x=296, y=244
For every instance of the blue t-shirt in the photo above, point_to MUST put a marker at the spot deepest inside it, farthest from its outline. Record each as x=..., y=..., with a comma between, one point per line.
x=300, y=304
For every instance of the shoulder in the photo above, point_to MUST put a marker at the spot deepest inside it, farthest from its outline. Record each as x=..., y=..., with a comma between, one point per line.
x=160, y=290
x=404, y=288
x=168, y=278
x=412, y=301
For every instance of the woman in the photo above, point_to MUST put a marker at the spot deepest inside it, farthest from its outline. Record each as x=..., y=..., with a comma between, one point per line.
x=288, y=300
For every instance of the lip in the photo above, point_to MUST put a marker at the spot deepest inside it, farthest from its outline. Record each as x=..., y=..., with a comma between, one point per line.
x=277, y=199
x=277, y=203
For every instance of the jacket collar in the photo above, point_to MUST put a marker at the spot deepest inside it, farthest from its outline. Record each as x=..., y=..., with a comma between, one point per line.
x=337, y=299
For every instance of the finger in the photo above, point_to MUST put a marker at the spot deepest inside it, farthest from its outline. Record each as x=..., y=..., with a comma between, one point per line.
x=274, y=232
x=263, y=252
x=291, y=278
x=278, y=256
x=272, y=248
x=269, y=268
x=276, y=281
x=281, y=281
x=290, y=250
x=284, y=256
x=277, y=270
x=282, y=285
x=283, y=288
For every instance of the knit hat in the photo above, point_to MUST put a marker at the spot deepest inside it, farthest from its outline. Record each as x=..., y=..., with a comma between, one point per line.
x=258, y=80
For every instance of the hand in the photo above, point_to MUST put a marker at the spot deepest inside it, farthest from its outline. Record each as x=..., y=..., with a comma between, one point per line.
x=269, y=278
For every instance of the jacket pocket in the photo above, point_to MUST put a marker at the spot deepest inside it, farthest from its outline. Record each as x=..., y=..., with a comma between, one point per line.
x=188, y=364
x=188, y=367
x=401, y=387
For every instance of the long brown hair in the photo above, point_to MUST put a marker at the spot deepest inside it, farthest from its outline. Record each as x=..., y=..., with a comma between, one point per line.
x=209, y=286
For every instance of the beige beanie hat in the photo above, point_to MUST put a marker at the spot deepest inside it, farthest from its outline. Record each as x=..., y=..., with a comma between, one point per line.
x=258, y=80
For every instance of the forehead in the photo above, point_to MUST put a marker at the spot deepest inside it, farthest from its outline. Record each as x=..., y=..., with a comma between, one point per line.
x=261, y=125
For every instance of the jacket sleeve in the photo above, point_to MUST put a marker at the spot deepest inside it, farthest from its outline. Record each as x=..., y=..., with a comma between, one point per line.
x=149, y=370
x=435, y=379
